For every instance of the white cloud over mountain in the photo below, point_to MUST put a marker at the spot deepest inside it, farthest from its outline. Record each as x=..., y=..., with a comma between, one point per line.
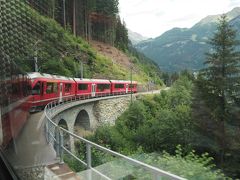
x=153, y=17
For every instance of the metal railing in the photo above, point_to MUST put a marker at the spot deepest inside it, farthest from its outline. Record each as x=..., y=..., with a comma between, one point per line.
x=54, y=135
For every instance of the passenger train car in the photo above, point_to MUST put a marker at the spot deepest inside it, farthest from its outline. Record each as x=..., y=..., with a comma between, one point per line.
x=47, y=88
x=23, y=93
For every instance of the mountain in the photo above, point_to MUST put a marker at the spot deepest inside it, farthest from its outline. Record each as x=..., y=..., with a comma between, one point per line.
x=185, y=48
x=135, y=37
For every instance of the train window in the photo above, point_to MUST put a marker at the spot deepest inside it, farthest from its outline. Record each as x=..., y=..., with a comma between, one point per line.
x=51, y=88
x=119, y=86
x=131, y=86
x=55, y=88
x=82, y=87
x=67, y=88
x=102, y=87
x=36, y=89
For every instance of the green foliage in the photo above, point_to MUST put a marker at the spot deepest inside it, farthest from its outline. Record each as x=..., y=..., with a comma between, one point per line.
x=190, y=166
x=154, y=123
x=59, y=52
x=107, y=7
x=221, y=77
x=152, y=128
x=121, y=40
x=75, y=165
x=98, y=157
x=216, y=99
x=56, y=49
x=151, y=71
x=110, y=137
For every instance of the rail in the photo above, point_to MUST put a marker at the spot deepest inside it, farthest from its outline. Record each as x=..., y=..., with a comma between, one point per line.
x=54, y=136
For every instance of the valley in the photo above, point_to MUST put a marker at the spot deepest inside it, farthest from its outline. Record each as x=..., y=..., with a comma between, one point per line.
x=182, y=48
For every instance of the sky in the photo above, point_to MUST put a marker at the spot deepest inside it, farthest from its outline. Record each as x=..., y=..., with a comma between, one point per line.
x=151, y=18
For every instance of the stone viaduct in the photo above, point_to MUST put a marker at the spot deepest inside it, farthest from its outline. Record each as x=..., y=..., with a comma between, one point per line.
x=89, y=114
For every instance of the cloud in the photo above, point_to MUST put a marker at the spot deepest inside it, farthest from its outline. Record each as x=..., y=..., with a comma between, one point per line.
x=153, y=17
x=234, y=3
x=182, y=19
x=161, y=13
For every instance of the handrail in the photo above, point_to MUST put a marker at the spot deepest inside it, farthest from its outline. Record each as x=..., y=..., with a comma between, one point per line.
x=52, y=128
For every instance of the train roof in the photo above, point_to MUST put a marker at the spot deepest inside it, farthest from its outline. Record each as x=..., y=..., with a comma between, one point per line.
x=123, y=81
x=34, y=75
x=92, y=80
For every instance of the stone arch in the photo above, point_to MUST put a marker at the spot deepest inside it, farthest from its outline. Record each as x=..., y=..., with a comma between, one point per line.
x=82, y=122
x=63, y=123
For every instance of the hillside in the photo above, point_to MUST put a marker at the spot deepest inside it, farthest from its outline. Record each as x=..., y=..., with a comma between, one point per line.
x=182, y=48
x=124, y=62
x=117, y=57
x=60, y=52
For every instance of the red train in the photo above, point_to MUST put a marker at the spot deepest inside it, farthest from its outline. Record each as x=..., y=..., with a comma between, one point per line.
x=46, y=88
x=23, y=93
x=14, y=104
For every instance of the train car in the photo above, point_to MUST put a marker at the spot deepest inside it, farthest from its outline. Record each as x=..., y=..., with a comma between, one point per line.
x=132, y=86
x=14, y=104
x=123, y=87
x=47, y=88
x=92, y=87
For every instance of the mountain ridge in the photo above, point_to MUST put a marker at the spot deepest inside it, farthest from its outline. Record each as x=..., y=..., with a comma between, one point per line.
x=185, y=48
x=135, y=37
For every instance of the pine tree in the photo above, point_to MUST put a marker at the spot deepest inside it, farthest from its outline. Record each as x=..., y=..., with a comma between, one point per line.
x=121, y=40
x=220, y=81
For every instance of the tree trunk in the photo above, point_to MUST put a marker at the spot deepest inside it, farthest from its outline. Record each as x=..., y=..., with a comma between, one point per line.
x=64, y=14
x=53, y=9
x=74, y=17
x=86, y=21
x=89, y=29
x=222, y=130
x=223, y=143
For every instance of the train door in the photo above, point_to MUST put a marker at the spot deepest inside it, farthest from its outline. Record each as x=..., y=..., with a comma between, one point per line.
x=93, y=90
x=41, y=90
x=126, y=88
x=61, y=92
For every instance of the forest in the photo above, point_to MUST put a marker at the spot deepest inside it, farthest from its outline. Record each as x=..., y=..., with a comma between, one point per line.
x=192, y=129
x=90, y=19
x=39, y=33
